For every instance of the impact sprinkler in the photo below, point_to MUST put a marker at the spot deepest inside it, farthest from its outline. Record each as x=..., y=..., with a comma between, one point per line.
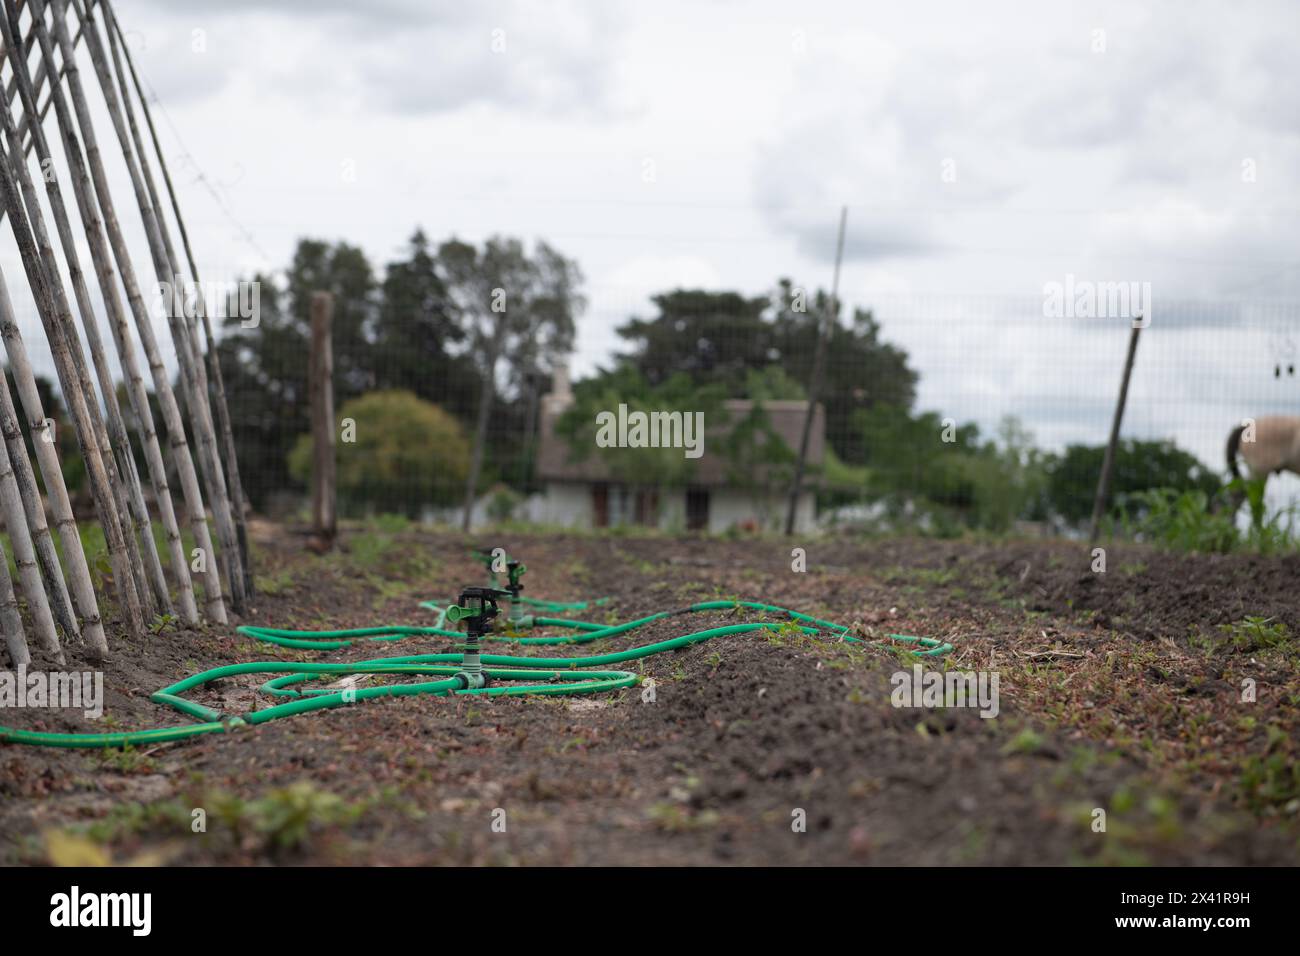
x=515, y=570
x=476, y=607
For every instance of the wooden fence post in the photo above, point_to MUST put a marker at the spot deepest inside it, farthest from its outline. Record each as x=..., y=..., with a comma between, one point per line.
x=321, y=387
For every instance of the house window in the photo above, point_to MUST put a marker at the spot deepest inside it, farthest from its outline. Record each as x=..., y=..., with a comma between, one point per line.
x=620, y=506
x=647, y=506
x=613, y=505
x=697, y=509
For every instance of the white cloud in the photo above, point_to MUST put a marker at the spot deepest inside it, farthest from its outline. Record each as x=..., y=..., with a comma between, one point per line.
x=762, y=119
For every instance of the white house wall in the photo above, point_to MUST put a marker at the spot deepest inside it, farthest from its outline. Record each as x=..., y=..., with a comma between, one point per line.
x=569, y=504
x=728, y=508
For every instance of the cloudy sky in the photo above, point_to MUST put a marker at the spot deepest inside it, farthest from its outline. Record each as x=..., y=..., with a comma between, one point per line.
x=983, y=150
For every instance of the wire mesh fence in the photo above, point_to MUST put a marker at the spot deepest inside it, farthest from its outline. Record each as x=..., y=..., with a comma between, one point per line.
x=938, y=412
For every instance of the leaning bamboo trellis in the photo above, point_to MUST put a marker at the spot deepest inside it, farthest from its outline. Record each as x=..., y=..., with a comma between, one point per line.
x=229, y=517
x=11, y=89
x=106, y=484
x=11, y=506
x=136, y=393
x=200, y=414
x=82, y=593
x=47, y=557
x=235, y=484
x=181, y=458
x=143, y=418
x=56, y=596
x=111, y=433
x=27, y=223
x=11, y=619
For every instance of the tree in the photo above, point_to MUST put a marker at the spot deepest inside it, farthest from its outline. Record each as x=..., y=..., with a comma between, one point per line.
x=1139, y=466
x=265, y=371
x=720, y=337
x=408, y=454
x=712, y=337
x=925, y=465
x=264, y=367
x=626, y=385
x=514, y=307
x=861, y=370
x=343, y=270
x=418, y=341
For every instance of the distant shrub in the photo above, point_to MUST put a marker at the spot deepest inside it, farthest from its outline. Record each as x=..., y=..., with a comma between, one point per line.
x=502, y=502
x=407, y=454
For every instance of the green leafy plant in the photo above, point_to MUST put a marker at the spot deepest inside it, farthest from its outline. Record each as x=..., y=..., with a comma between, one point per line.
x=407, y=453
x=1185, y=521
x=1258, y=633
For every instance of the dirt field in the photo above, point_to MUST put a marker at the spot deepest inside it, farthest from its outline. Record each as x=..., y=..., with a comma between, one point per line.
x=1120, y=691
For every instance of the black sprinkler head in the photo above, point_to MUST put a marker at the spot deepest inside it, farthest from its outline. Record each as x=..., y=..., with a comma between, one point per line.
x=476, y=606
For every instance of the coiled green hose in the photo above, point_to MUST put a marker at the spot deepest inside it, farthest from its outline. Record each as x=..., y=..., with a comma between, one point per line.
x=558, y=675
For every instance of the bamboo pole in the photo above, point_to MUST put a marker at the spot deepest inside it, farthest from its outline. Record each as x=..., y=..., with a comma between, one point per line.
x=131, y=504
x=51, y=303
x=46, y=554
x=11, y=621
x=236, y=549
x=200, y=414
x=11, y=88
x=70, y=362
x=213, y=601
x=29, y=574
x=235, y=485
x=78, y=582
x=142, y=414
x=47, y=459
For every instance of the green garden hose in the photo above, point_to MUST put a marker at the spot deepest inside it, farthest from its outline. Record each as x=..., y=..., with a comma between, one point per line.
x=558, y=675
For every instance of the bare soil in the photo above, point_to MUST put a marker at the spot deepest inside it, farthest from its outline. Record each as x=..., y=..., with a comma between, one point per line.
x=1120, y=692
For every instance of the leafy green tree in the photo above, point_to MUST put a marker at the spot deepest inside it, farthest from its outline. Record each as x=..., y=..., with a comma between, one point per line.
x=945, y=471
x=626, y=385
x=862, y=370
x=1139, y=466
x=408, y=453
x=343, y=270
x=264, y=366
x=418, y=340
x=722, y=337
x=265, y=373
x=909, y=459
x=714, y=338
x=514, y=307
